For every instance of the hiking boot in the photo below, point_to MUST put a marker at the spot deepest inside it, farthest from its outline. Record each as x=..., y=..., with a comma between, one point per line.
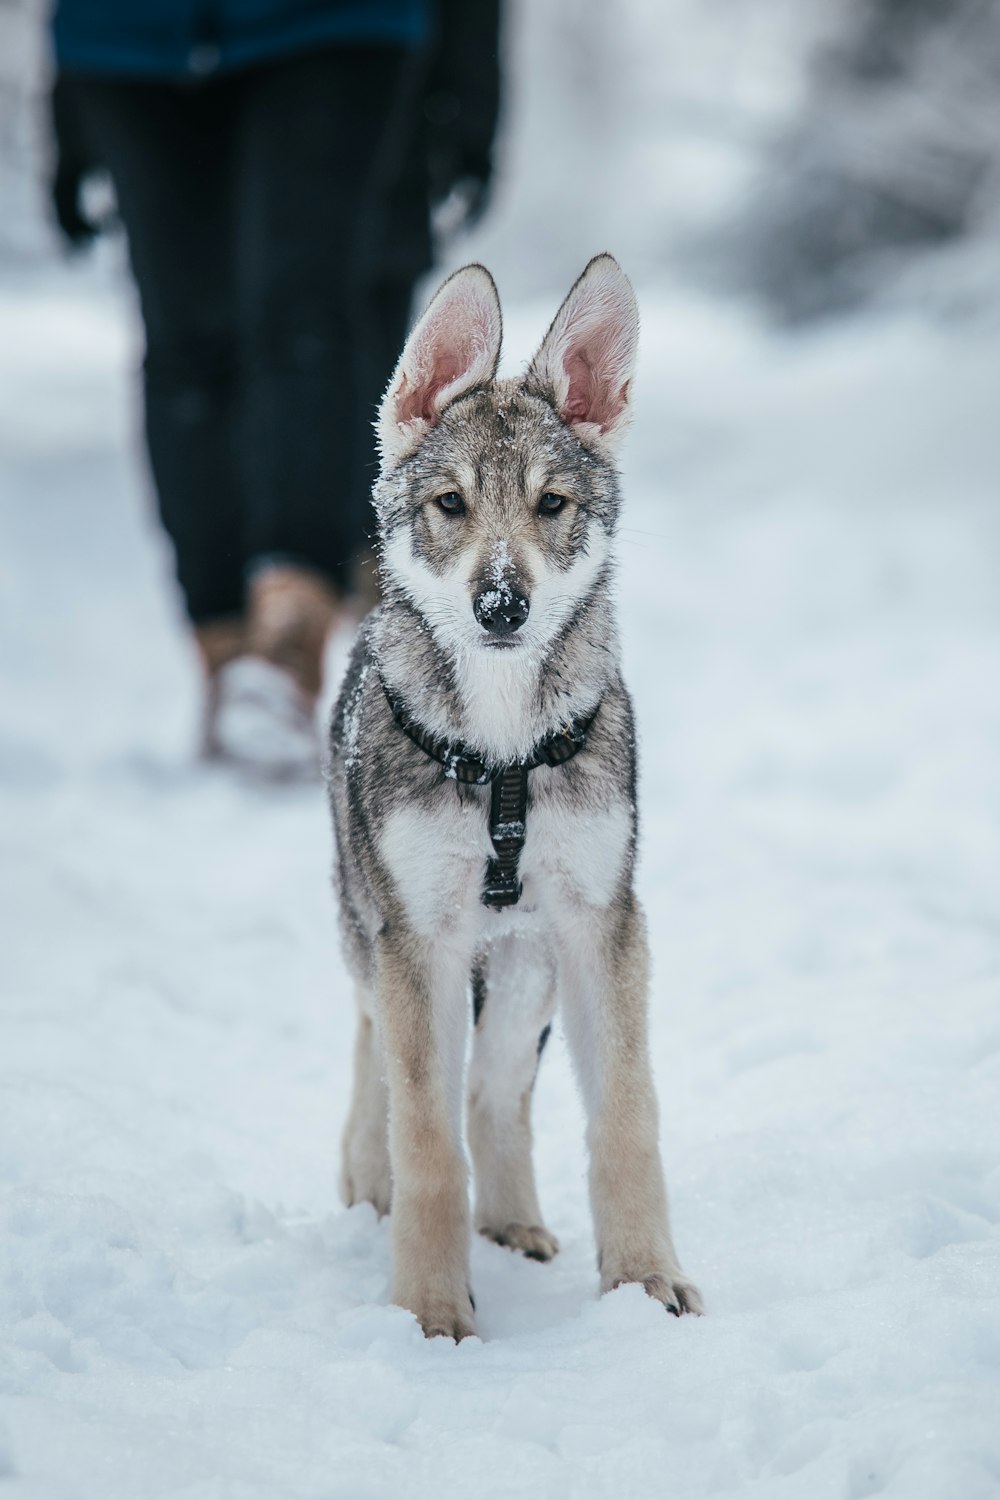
x=264, y=722
x=265, y=715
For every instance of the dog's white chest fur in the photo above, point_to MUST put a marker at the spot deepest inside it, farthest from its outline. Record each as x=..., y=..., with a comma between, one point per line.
x=437, y=858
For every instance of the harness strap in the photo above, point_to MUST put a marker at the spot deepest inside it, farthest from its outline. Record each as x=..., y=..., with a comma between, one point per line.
x=508, y=814
x=508, y=790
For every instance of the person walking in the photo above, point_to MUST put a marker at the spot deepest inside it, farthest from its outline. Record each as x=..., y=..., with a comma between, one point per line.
x=253, y=146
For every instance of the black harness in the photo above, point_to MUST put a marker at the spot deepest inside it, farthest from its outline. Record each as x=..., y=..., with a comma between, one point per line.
x=508, y=790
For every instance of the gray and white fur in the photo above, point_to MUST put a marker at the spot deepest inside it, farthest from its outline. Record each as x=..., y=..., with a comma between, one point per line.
x=497, y=503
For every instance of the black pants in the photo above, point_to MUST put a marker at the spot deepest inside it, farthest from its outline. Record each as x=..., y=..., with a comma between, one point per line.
x=254, y=207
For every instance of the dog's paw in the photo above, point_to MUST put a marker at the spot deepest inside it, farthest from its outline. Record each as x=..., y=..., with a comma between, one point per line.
x=533, y=1240
x=677, y=1294
x=449, y=1320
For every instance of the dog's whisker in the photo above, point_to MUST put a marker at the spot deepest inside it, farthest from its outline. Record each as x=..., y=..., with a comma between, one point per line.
x=659, y=536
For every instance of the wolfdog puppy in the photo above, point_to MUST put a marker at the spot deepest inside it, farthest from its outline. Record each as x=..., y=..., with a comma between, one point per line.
x=483, y=790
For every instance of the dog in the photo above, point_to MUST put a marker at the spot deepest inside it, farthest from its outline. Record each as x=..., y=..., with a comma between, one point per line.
x=483, y=788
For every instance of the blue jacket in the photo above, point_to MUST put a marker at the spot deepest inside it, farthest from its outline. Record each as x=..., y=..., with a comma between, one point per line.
x=175, y=39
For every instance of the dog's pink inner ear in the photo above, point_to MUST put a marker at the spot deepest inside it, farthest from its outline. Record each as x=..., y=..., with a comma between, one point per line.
x=590, y=396
x=454, y=348
x=418, y=399
x=584, y=367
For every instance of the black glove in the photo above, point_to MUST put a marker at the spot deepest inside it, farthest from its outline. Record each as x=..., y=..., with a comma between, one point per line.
x=74, y=162
x=473, y=194
x=457, y=172
x=461, y=105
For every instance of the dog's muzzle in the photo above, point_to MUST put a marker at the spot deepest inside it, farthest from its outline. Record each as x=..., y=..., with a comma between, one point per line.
x=500, y=611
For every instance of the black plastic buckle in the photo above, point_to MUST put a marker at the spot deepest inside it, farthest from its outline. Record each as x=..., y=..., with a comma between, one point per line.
x=501, y=888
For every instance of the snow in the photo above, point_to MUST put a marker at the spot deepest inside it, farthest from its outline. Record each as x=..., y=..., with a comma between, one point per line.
x=501, y=566
x=812, y=631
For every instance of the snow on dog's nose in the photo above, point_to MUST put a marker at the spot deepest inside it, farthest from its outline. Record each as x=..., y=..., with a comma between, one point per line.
x=500, y=610
x=500, y=602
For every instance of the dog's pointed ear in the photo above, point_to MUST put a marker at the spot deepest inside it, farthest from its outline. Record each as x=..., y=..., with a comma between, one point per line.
x=453, y=348
x=587, y=359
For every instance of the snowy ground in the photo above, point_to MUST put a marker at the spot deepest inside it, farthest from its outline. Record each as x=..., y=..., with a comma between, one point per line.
x=813, y=636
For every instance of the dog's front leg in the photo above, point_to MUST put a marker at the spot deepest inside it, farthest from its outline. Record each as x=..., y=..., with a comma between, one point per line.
x=423, y=1009
x=604, y=995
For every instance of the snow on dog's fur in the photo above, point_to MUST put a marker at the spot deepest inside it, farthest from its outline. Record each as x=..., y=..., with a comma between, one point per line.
x=497, y=503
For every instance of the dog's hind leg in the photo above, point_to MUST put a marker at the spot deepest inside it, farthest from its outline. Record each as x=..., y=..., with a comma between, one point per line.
x=364, y=1170
x=422, y=989
x=603, y=983
x=514, y=997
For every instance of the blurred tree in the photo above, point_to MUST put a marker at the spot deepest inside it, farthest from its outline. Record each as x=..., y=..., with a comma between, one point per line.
x=897, y=147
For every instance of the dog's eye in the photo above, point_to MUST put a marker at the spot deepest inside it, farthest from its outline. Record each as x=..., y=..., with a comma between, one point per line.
x=452, y=503
x=550, y=504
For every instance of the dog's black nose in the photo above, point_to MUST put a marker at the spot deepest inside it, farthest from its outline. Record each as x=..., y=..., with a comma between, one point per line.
x=501, y=611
